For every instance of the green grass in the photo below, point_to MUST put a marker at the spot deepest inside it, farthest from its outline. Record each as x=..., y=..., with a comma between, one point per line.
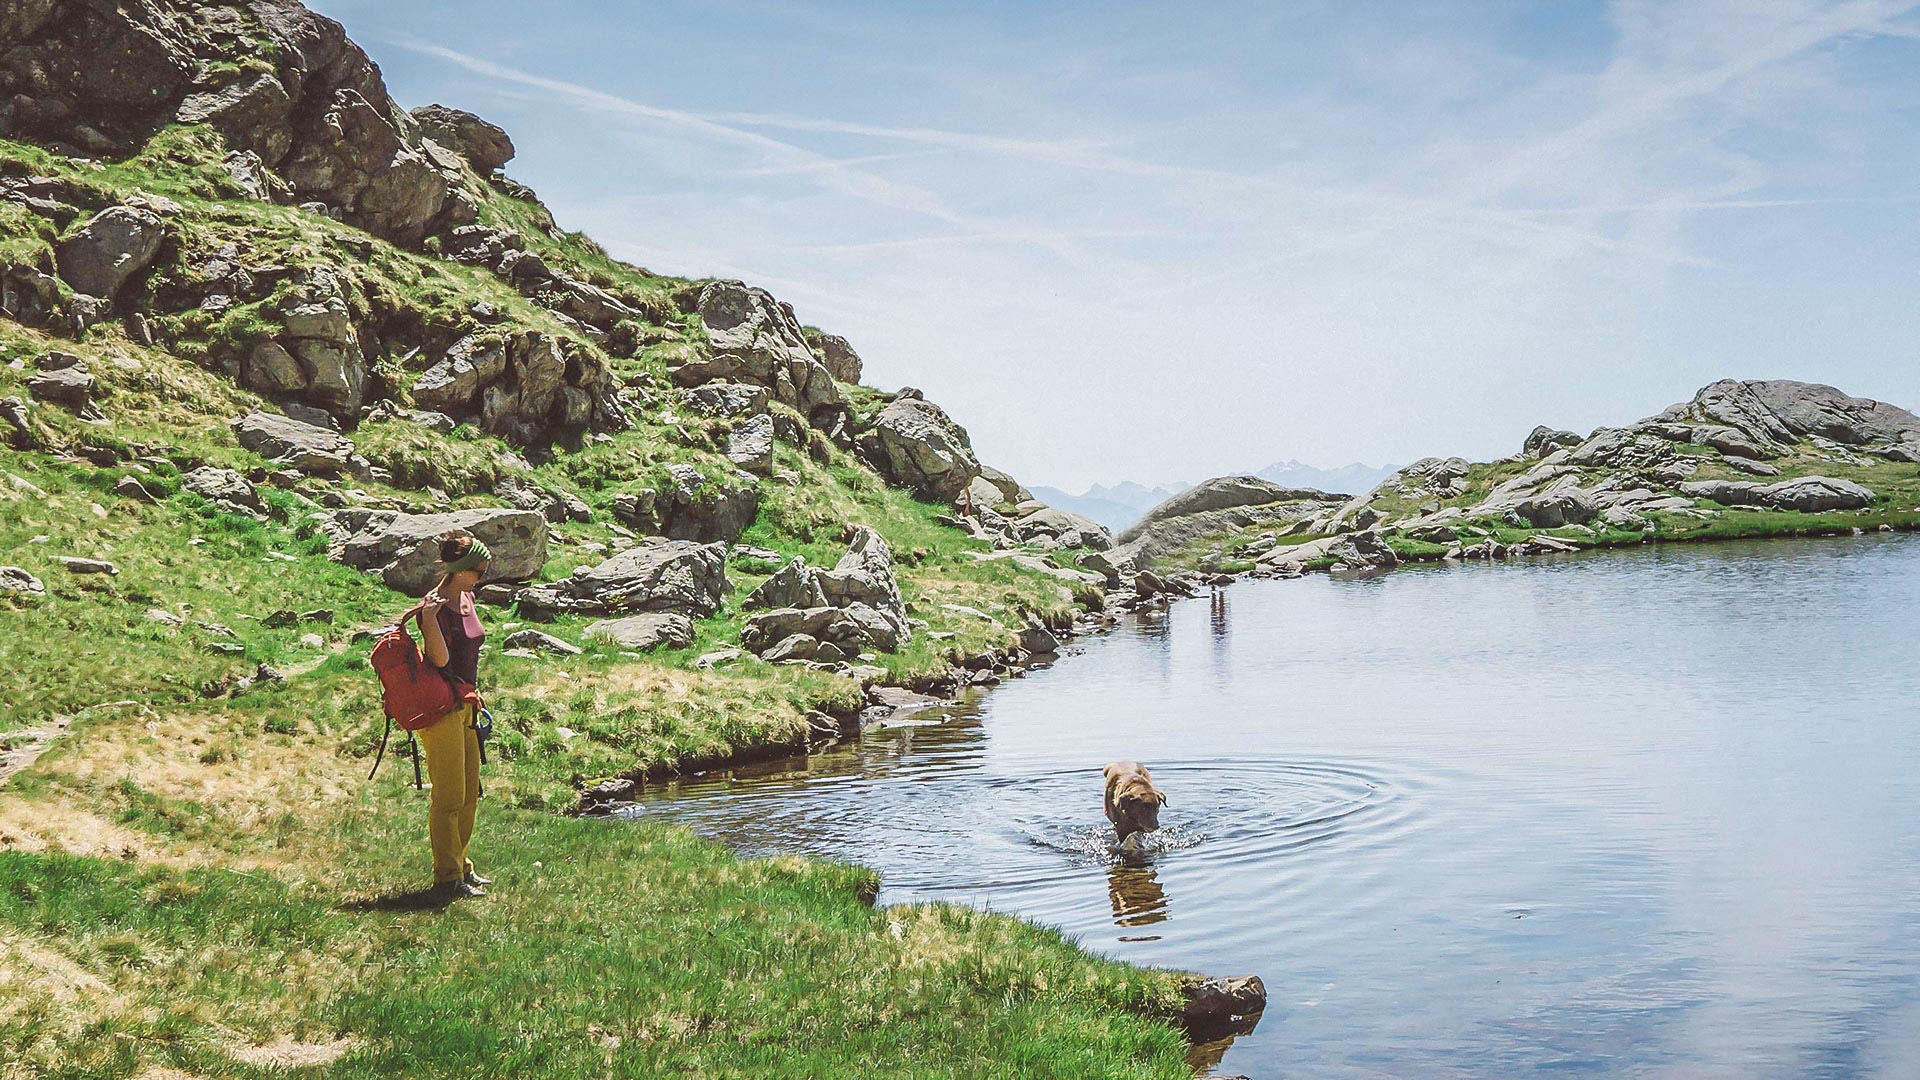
x=606, y=949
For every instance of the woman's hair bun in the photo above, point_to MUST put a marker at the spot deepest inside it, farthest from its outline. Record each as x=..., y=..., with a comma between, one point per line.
x=454, y=545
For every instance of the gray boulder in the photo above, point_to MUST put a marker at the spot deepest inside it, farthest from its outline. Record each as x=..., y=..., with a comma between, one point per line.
x=1807, y=494
x=856, y=605
x=660, y=575
x=525, y=387
x=270, y=369
x=915, y=445
x=249, y=112
x=535, y=641
x=1363, y=549
x=114, y=245
x=17, y=582
x=649, y=630
x=71, y=387
x=485, y=146
x=404, y=550
x=1553, y=509
x=851, y=629
x=1011, y=490
x=1544, y=440
x=1751, y=467
x=792, y=647
x=293, y=444
x=1069, y=529
x=1116, y=563
x=838, y=356
x=982, y=494
x=1039, y=640
x=727, y=399
x=320, y=336
x=750, y=446
x=77, y=565
x=768, y=628
x=696, y=508
x=794, y=585
x=864, y=575
x=224, y=488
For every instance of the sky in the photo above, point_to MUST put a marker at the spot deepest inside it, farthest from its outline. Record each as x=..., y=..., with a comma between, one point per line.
x=1155, y=242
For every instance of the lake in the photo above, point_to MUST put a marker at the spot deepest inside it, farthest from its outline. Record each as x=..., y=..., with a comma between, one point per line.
x=1651, y=812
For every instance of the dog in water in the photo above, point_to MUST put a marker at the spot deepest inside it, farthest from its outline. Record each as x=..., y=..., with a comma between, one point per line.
x=1133, y=803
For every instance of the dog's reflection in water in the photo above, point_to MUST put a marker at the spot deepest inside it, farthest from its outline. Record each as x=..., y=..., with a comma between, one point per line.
x=1136, y=896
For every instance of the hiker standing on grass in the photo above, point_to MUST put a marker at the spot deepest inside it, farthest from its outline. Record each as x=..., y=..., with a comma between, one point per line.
x=452, y=635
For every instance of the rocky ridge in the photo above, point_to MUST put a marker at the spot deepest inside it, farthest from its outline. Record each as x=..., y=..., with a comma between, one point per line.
x=1817, y=452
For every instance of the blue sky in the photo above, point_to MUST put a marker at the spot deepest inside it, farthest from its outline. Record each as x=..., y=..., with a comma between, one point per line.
x=1157, y=242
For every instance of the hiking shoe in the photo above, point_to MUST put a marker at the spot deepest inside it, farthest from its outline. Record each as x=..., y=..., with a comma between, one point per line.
x=476, y=880
x=457, y=890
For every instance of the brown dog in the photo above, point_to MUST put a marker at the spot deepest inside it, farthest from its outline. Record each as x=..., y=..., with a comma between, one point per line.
x=1133, y=803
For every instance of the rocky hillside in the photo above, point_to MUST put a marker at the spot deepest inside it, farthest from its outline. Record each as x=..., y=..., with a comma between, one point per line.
x=1754, y=458
x=263, y=333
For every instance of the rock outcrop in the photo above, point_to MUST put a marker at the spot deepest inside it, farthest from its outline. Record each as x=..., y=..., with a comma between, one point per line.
x=98, y=79
x=1807, y=494
x=834, y=351
x=754, y=338
x=485, y=146
x=1219, y=505
x=114, y=245
x=661, y=575
x=295, y=444
x=524, y=386
x=224, y=488
x=829, y=615
x=1625, y=477
x=916, y=445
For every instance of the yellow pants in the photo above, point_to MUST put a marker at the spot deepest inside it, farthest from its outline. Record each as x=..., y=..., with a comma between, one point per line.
x=453, y=767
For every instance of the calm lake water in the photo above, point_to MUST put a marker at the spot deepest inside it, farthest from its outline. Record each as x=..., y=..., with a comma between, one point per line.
x=1651, y=812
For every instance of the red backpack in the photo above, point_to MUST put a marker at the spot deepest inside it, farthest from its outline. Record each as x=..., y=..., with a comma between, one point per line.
x=415, y=693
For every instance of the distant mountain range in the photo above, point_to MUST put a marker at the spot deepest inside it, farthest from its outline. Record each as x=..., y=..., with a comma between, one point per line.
x=1120, y=505
x=1115, y=507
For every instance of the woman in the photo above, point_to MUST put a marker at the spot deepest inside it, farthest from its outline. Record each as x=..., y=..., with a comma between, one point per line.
x=452, y=632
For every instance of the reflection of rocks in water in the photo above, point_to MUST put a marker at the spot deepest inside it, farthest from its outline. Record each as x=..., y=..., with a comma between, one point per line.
x=1136, y=895
x=1218, y=1011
